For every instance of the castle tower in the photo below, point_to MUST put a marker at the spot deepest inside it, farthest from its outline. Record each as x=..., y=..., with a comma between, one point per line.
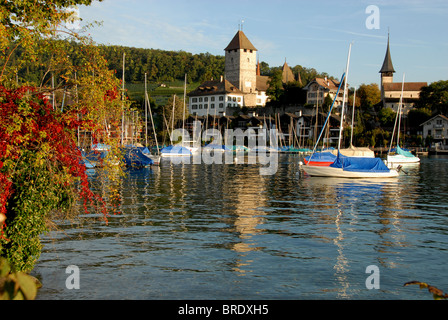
x=387, y=70
x=241, y=66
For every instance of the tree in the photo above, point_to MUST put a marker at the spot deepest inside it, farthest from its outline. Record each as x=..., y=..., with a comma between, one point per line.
x=41, y=172
x=369, y=95
x=387, y=117
x=435, y=97
x=275, y=89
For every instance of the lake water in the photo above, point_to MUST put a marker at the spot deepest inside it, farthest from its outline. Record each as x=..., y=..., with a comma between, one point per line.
x=209, y=231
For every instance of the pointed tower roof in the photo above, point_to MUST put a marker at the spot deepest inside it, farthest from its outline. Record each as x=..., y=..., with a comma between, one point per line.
x=287, y=74
x=240, y=41
x=387, y=64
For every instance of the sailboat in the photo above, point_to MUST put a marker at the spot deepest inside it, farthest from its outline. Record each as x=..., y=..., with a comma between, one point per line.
x=186, y=147
x=350, y=167
x=155, y=158
x=323, y=158
x=400, y=156
x=353, y=151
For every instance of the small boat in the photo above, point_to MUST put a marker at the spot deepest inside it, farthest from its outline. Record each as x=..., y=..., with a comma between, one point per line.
x=349, y=167
x=353, y=167
x=217, y=147
x=134, y=157
x=175, y=151
x=155, y=158
x=398, y=155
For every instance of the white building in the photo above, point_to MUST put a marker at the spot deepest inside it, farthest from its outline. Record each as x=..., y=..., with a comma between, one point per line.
x=243, y=86
x=437, y=128
x=214, y=97
x=319, y=88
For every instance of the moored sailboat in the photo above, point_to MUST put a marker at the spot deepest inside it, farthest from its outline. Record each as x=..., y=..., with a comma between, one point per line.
x=398, y=156
x=350, y=167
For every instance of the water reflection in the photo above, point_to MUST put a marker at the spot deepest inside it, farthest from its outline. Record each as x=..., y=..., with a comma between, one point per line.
x=210, y=231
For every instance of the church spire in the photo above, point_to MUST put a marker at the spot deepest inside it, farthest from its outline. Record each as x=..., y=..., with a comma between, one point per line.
x=387, y=67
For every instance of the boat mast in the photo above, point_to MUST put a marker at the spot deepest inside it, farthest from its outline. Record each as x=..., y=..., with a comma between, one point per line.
x=353, y=117
x=397, y=118
x=152, y=120
x=183, y=116
x=400, y=106
x=343, y=98
x=146, y=115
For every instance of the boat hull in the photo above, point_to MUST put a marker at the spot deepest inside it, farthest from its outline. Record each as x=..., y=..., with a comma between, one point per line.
x=399, y=159
x=327, y=171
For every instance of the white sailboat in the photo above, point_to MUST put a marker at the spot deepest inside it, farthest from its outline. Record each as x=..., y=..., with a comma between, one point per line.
x=400, y=156
x=353, y=151
x=351, y=167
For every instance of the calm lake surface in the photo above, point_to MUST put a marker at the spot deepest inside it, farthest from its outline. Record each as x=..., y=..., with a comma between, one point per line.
x=223, y=231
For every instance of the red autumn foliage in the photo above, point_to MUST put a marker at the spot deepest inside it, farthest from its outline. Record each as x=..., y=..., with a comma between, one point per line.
x=27, y=123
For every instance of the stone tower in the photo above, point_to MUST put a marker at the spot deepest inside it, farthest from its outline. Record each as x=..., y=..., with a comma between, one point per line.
x=241, y=66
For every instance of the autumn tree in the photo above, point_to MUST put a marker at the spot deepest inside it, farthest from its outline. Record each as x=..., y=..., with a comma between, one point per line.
x=369, y=95
x=41, y=168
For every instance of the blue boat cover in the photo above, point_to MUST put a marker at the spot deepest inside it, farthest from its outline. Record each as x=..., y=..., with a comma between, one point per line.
x=360, y=164
x=133, y=157
x=404, y=152
x=175, y=150
x=321, y=157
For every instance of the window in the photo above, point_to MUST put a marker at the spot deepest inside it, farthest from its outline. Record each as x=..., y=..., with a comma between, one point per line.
x=212, y=99
x=200, y=106
x=206, y=99
x=194, y=99
x=212, y=106
x=221, y=105
x=229, y=98
x=221, y=98
x=200, y=99
x=239, y=99
x=195, y=106
x=234, y=99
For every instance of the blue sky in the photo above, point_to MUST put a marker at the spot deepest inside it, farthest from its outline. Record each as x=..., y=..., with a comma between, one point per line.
x=310, y=33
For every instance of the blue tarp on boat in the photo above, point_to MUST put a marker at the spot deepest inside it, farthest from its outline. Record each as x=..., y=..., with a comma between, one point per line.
x=133, y=157
x=360, y=164
x=403, y=152
x=175, y=150
x=321, y=157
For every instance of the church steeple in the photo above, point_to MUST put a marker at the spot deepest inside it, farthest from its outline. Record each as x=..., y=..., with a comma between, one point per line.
x=387, y=69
